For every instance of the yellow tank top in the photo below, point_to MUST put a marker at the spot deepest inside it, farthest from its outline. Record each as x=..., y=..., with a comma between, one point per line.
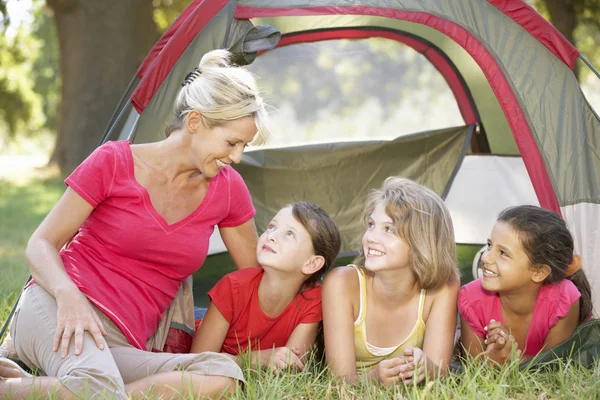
x=368, y=355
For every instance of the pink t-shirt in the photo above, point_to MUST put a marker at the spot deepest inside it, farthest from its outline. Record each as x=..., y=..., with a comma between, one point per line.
x=236, y=297
x=126, y=258
x=477, y=307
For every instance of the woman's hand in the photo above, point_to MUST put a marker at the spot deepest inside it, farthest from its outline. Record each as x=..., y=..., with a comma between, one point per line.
x=499, y=342
x=279, y=358
x=75, y=316
x=415, y=366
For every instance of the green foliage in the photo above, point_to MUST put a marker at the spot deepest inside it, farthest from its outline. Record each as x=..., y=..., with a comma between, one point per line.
x=166, y=11
x=4, y=15
x=46, y=70
x=20, y=105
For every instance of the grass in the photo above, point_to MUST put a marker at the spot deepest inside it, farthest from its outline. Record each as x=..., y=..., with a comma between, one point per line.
x=24, y=203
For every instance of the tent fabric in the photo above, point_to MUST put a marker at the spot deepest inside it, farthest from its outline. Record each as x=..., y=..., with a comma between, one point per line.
x=165, y=37
x=179, y=40
x=524, y=15
x=583, y=220
x=442, y=64
x=453, y=25
x=276, y=177
x=519, y=11
x=491, y=183
x=490, y=113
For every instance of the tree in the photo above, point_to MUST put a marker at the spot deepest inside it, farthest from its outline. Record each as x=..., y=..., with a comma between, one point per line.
x=101, y=44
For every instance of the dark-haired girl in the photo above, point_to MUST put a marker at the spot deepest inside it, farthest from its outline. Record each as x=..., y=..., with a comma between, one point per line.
x=274, y=310
x=533, y=293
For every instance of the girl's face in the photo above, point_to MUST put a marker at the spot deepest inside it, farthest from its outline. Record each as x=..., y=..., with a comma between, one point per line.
x=505, y=264
x=214, y=149
x=383, y=247
x=285, y=245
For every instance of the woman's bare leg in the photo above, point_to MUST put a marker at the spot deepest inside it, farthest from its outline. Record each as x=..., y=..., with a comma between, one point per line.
x=177, y=383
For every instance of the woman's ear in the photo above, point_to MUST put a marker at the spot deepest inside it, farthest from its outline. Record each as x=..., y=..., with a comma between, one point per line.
x=540, y=273
x=313, y=264
x=193, y=121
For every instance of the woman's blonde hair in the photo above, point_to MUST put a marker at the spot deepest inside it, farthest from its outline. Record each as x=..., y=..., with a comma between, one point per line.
x=423, y=221
x=221, y=92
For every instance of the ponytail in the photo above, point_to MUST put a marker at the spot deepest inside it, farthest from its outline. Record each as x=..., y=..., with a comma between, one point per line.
x=585, y=301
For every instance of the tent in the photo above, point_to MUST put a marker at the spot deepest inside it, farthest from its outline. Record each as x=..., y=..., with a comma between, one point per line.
x=526, y=133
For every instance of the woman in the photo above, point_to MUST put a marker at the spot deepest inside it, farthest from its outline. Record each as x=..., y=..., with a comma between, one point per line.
x=140, y=217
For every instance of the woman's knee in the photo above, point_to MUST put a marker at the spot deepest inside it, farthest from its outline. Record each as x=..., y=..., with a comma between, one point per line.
x=94, y=383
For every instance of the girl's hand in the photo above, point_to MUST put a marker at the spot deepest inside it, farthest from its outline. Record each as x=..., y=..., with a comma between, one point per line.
x=415, y=366
x=388, y=371
x=280, y=358
x=75, y=316
x=499, y=342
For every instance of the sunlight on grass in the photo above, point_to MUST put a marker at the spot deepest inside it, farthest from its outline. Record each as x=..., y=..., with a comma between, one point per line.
x=23, y=205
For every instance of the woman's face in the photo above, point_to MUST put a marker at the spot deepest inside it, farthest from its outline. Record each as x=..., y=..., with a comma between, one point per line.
x=213, y=149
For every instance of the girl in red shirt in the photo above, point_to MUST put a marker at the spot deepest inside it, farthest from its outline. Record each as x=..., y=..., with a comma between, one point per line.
x=274, y=310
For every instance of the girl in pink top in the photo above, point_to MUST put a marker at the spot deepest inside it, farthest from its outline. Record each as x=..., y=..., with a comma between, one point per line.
x=533, y=293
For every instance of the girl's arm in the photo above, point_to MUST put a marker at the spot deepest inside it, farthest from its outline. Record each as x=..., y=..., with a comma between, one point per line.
x=241, y=243
x=564, y=328
x=303, y=339
x=472, y=343
x=438, y=344
x=75, y=313
x=211, y=333
x=339, y=287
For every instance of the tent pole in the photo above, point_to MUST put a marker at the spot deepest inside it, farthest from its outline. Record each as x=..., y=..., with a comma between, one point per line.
x=594, y=70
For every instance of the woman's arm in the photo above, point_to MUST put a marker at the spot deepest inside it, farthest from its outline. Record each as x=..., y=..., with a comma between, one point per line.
x=338, y=321
x=241, y=243
x=438, y=344
x=75, y=313
x=212, y=331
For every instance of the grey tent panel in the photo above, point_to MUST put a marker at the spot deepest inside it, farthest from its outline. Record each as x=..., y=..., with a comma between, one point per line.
x=338, y=176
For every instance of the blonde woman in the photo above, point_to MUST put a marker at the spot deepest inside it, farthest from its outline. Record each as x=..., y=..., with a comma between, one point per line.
x=142, y=216
x=391, y=317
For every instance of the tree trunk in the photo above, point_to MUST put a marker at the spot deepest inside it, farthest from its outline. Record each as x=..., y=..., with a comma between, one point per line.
x=564, y=17
x=101, y=42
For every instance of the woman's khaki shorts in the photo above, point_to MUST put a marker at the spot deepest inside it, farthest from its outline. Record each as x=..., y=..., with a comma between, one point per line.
x=98, y=373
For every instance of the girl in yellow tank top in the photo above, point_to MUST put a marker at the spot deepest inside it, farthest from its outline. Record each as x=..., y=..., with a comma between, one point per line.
x=392, y=316
x=368, y=355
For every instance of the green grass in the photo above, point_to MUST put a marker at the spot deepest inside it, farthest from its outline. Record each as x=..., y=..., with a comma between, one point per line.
x=23, y=206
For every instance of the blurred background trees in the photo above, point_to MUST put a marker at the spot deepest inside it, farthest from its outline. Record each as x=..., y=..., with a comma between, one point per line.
x=64, y=64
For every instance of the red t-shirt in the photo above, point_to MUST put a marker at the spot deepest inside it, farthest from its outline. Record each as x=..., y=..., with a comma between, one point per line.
x=236, y=297
x=126, y=259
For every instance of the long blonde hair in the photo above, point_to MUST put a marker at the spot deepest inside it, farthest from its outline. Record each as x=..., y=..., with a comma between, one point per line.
x=423, y=221
x=221, y=92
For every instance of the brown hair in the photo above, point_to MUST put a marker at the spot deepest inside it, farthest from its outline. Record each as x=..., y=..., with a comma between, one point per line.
x=547, y=241
x=423, y=221
x=325, y=236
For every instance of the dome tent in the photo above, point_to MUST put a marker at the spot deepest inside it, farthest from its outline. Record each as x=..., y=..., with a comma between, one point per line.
x=509, y=70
